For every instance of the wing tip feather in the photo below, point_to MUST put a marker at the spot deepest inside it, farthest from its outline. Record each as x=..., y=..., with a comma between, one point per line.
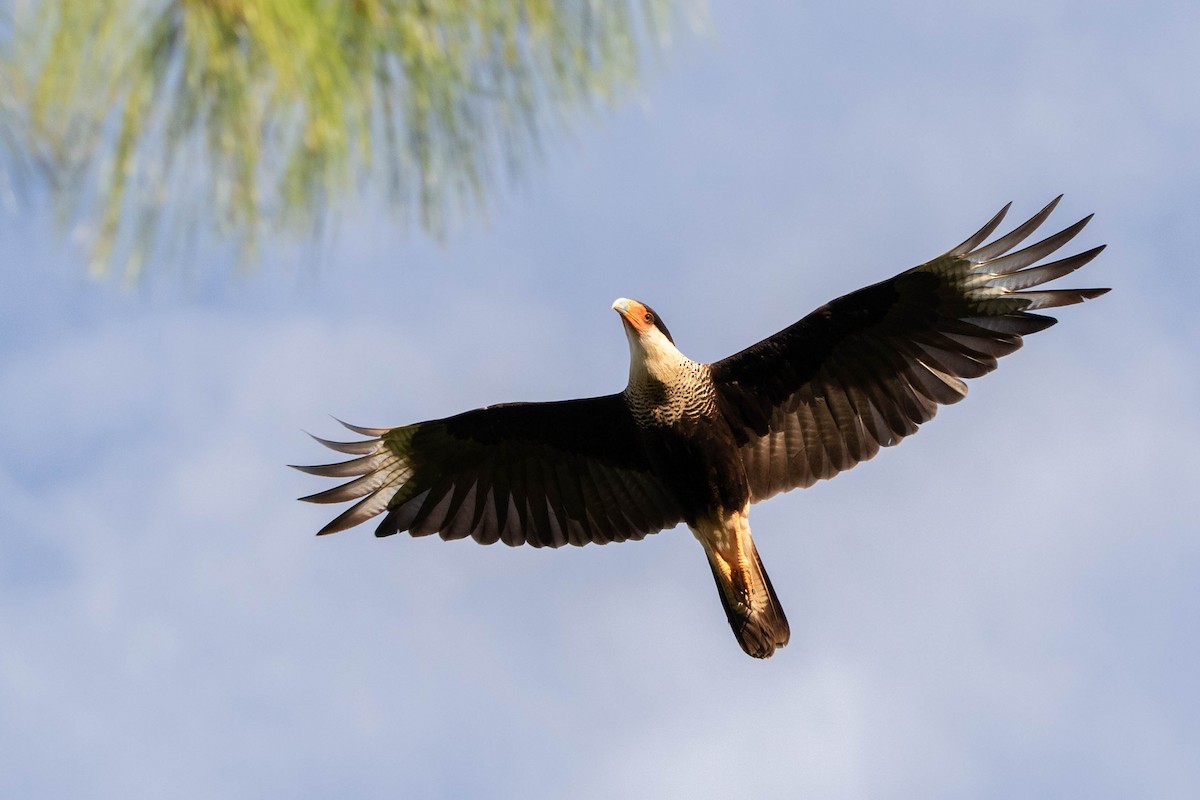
x=363, y=448
x=359, y=428
x=976, y=238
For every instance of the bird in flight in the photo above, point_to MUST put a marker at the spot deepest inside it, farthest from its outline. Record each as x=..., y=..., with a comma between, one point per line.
x=698, y=443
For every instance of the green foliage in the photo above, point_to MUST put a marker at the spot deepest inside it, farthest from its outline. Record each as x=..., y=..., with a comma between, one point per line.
x=154, y=118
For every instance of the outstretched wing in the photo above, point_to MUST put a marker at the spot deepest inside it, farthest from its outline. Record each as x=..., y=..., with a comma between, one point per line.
x=864, y=371
x=545, y=474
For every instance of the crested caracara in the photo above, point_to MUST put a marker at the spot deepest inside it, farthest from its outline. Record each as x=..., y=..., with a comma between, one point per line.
x=698, y=443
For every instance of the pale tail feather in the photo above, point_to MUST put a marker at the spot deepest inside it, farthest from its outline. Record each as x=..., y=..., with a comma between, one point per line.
x=750, y=603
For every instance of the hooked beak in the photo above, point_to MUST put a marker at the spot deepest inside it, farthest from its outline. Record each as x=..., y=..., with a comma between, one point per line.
x=628, y=309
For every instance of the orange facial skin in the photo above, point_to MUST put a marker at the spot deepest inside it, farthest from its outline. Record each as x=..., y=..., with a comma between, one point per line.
x=634, y=314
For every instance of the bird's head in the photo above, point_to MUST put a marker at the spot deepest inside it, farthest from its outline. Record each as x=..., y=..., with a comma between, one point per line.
x=640, y=319
x=652, y=351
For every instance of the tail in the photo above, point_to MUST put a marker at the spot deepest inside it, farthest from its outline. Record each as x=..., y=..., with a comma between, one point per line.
x=749, y=599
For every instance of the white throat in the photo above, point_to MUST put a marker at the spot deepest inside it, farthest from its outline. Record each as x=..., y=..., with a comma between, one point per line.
x=652, y=357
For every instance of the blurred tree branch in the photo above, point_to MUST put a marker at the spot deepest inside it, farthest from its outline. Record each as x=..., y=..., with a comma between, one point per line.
x=152, y=119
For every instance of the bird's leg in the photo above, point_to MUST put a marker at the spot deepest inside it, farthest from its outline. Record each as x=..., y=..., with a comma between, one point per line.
x=724, y=537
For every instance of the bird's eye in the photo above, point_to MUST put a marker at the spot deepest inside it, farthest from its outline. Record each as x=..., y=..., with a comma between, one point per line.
x=649, y=317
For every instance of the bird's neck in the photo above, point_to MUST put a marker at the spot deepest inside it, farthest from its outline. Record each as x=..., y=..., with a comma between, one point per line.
x=664, y=384
x=654, y=359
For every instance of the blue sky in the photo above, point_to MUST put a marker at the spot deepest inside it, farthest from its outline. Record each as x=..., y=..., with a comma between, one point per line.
x=1005, y=605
